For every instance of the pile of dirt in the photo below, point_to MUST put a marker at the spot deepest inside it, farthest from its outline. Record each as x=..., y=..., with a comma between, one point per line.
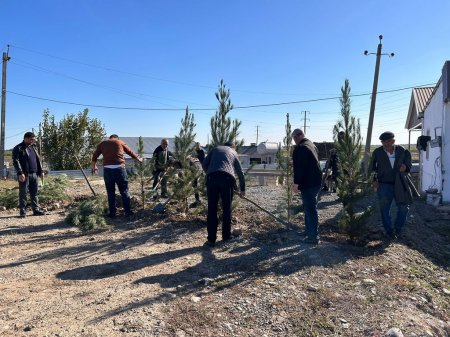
x=150, y=276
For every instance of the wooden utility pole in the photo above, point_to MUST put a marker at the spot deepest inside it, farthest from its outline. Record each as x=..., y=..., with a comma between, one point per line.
x=5, y=59
x=372, y=105
x=304, y=121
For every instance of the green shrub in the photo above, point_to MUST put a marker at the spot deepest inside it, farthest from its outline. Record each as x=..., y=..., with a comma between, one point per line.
x=54, y=190
x=88, y=214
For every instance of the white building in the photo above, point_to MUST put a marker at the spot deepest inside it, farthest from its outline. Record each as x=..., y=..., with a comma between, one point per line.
x=435, y=151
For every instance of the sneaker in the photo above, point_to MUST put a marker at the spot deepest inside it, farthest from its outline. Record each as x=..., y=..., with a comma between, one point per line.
x=311, y=240
x=209, y=244
x=38, y=212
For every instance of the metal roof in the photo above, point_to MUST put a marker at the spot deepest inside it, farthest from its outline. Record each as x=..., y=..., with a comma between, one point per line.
x=150, y=144
x=417, y=105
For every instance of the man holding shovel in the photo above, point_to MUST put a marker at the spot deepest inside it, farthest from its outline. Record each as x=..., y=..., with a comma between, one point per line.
x=307, y=181
x=221, y=165
x=162, y=157
x=114, y=172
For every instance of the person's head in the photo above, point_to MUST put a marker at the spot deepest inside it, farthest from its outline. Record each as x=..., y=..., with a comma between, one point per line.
x=114, y=136
x=297, y=135
x=387, y=140
x=29, y=138
x=164, y=143
x=197, y=146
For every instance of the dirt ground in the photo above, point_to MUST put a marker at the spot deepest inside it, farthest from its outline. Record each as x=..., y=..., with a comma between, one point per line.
x=149, y=275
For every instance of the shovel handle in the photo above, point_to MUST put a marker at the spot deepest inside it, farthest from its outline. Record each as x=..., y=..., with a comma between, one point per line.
x=264, y=210
x=84, y=174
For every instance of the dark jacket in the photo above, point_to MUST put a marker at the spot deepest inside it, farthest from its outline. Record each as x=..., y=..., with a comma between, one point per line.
x=386, y=174
x=161, y=157
x=224, y=159
x=307, y=172
x=20, y=159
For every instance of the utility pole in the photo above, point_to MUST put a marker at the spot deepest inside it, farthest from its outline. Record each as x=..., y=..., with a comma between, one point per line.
x=304, y=121
x=372, y=104
x=5, y=59
x=257, y=134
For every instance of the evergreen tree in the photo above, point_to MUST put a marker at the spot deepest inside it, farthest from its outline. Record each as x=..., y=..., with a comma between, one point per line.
x=284, y=156
x=73, y=135
x=184, y=149
x=222, y=128
x=143, y=170
x=351, y=186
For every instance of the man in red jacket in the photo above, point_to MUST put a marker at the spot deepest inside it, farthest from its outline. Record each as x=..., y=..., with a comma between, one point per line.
x=114, y=171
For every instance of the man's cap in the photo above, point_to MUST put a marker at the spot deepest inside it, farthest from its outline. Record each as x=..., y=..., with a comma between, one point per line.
x=29, y=134
x=297, y=132
x=387, y=135
x=113, y=136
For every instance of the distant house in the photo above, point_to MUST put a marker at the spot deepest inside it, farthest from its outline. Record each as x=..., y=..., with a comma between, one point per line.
x=434, y=143
x=264, y=153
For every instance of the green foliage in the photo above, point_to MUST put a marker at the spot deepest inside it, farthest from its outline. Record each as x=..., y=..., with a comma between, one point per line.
x=284, y=156
x=143, y=170
x=88, y=214
x=222, y=128
x=351, y=184
x=54, y=190
x=183, y=185
x=73, y=135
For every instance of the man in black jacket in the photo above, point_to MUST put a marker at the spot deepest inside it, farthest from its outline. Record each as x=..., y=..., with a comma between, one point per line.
x=307, y=181
x=162, y=157
x=28, y=166
x=391, y=163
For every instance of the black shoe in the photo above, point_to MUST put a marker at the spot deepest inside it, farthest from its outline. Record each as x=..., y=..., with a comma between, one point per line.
x=209, y=244
x=22, y=215
x=312, y=241
x=303, y=233
x=164, y=195
x=155, y=197
x=38, y=212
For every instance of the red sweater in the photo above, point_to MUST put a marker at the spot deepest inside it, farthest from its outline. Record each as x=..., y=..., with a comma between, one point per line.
x=113, y=151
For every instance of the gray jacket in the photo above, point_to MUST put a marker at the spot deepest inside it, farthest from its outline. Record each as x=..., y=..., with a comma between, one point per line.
x=224, y=159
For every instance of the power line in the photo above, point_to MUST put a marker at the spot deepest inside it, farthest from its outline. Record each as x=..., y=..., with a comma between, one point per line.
x=210, y=109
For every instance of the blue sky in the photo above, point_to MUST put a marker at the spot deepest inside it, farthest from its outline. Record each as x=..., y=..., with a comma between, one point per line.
x=170, y=54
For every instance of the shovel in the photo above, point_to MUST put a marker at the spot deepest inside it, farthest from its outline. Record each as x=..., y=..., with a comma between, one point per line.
x=84, y=174
x=266, y=211
x=161, y=207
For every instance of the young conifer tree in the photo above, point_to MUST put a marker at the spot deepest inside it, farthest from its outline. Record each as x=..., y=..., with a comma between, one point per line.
x=186, y=174
x=351, y=186
x=222, y=128
x=143, y=170
x=284, y=156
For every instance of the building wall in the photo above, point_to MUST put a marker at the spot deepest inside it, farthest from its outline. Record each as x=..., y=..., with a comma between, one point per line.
x=434, y=160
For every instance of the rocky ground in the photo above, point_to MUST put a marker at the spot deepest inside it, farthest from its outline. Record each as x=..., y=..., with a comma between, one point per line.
x=149, y=275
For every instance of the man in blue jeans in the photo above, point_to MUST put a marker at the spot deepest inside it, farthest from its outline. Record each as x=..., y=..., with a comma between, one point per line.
x=114, y=172
x=307, y=181
x=391, y=163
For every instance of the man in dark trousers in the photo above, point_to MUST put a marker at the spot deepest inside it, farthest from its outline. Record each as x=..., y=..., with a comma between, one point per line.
x=114, y=172
x=221, y=165
x=307, y=181
x=28, y=167
x=391, y=163
x=161, y=157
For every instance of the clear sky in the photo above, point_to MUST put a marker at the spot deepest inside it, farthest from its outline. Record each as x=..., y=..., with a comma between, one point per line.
x=169, y=54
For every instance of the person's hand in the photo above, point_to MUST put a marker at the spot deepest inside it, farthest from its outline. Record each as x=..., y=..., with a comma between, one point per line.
x=94, y=169
x=402, y=168
x=295, y=188
x=22, y=178
x=375, y=184
x=140, y=159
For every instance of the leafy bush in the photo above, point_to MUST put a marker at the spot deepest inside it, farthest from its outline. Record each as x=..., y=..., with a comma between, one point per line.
x=54, y=190
x=88, y=214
